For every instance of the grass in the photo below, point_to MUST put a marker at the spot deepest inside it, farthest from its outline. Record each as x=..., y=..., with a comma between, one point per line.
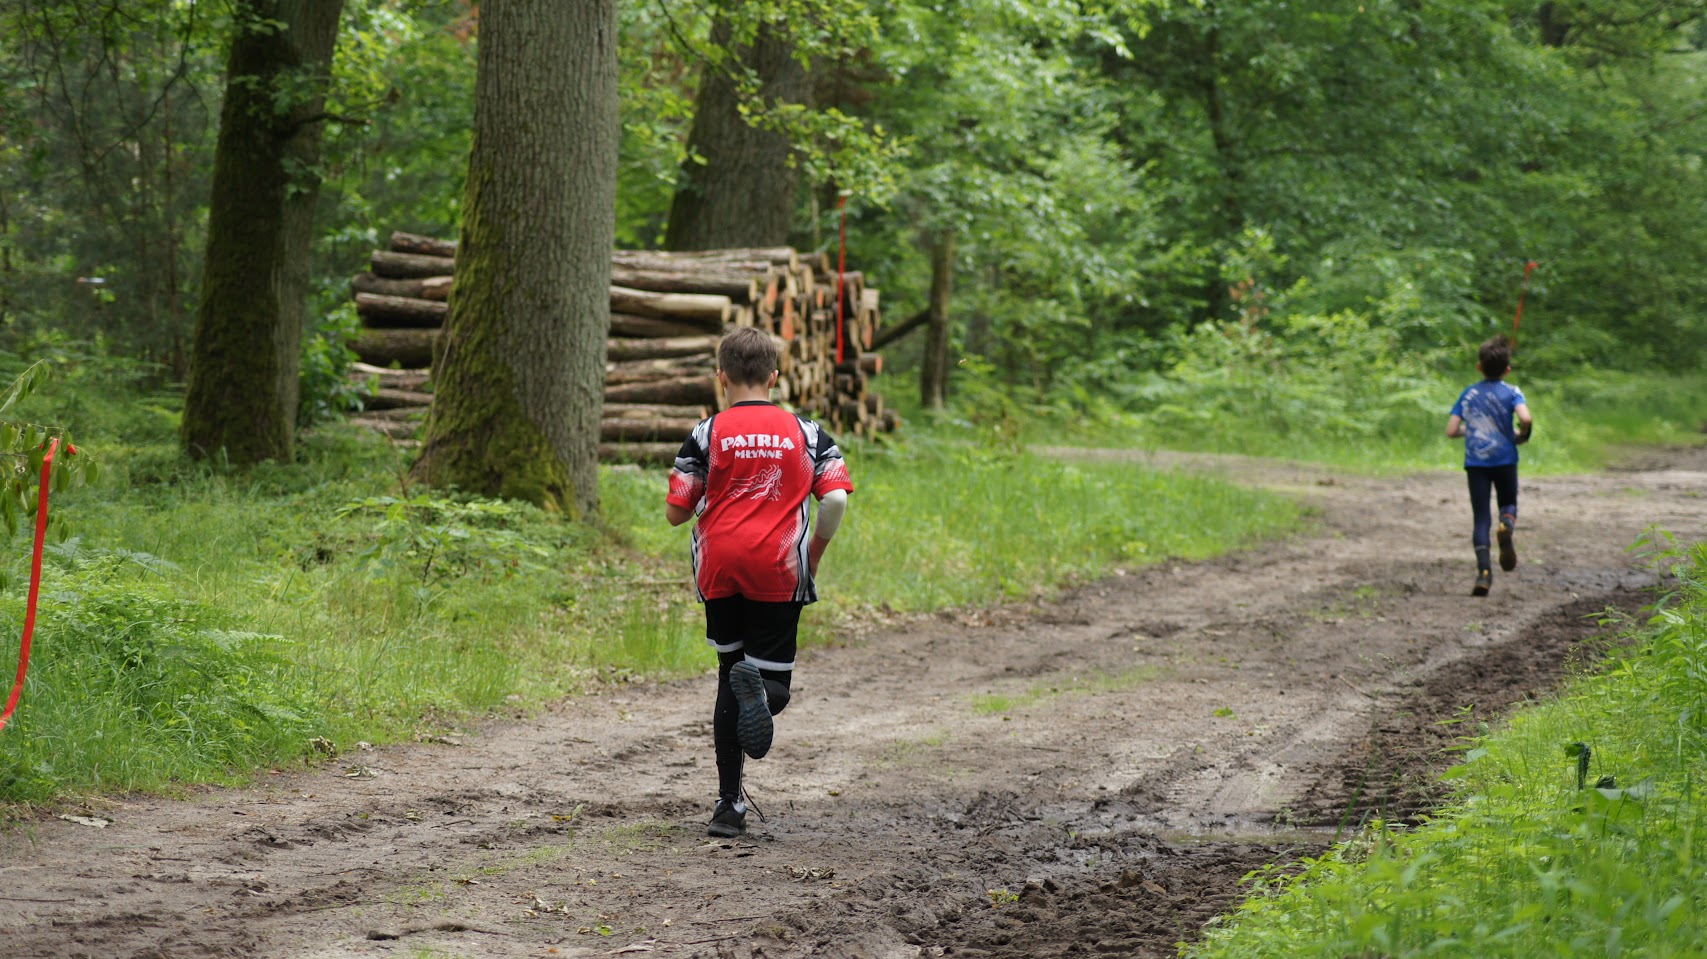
x=204, y=623
x=989, y=704
x=1582, y=424
x=1342, y=390
x=1578, y=830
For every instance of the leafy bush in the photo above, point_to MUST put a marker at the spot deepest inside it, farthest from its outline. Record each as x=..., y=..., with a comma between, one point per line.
x=1301, y=382
x=326, y=390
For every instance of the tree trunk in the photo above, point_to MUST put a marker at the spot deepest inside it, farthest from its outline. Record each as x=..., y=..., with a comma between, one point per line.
x=520, y=383
x=737, y=187
x=1229, y=206
x=620, y=350
x=411, y=349
x=242, y=393
x=698, y=390
x=651, y=327
x=1555, y=25
x=933, y=376
x=380, y=310
x=424, y=288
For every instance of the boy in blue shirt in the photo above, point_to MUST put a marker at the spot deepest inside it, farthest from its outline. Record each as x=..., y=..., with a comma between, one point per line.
x=1484, y=416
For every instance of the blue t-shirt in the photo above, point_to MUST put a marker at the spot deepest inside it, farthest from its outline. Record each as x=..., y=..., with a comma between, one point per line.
x=1490, y=435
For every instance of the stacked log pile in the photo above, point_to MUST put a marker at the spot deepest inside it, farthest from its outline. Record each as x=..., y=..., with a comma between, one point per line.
x=668, y=311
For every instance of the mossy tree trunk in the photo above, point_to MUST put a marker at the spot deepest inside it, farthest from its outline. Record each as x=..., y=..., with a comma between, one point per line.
x=933, y=373
x=737, y=186
x=519, y=384
x=245, y=357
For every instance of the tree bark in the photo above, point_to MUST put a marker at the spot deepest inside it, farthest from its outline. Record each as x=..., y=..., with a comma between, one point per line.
x=651, y=327
x=651, y=371
x=424, y=288
x=737, y=187
x=403, y=242
x=886, y=337
x=933, y=376
x=688, y=391
x=520, y=384
x=1217, y=292
x=390, y=263
x=619, y=350
x=242, y=392
x=412, y=349
x=739, y=287
x=710, y=311
x=400, y=311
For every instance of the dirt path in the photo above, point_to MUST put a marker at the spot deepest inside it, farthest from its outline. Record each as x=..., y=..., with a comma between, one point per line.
x=1164, y=732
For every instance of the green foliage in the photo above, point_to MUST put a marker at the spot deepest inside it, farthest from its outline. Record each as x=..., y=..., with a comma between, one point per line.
x=830, y=144
x=132, y=687
x=327, y=390
x=1343, y=388
x=24, y=448
x=991, y=522
x=1539, y=856
x=429, y=539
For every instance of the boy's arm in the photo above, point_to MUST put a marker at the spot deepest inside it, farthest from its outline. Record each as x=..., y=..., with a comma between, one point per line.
x=687, y=477
x=1525, y=422
x=831, y=485
x=1454, y=426
x=831, y=509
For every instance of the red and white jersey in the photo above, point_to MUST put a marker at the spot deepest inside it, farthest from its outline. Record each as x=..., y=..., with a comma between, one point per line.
x=747, y=473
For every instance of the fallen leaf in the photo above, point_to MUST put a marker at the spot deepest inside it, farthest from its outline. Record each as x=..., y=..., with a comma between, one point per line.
x=98, y=823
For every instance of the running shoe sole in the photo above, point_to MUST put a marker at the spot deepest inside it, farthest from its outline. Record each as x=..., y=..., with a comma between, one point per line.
x=753, y=727
x=1483, y=583
x=1508, y=552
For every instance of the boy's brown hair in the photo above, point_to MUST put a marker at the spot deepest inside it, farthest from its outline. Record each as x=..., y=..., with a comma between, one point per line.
x=1495, y=357
x=748, y=356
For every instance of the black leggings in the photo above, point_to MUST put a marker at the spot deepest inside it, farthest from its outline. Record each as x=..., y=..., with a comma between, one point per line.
x=730, y=759
x=760, y=633
x=1502, y=481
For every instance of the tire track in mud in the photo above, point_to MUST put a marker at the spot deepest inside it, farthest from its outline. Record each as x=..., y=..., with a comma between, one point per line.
x=1087, y=776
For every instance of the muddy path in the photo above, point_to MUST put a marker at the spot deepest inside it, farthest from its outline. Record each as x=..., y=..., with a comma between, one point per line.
x=1089, y=776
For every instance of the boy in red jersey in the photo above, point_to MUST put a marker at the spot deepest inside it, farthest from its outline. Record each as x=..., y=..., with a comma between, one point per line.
x=747, y=473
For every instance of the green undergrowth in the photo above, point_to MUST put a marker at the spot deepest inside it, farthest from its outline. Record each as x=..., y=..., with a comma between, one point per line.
x=1342, y=390
x=949, y=518
x=1578, y=830
x=202, y=623
x=1582, y=423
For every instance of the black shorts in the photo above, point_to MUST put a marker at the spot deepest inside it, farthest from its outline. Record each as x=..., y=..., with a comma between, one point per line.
x=764, y=633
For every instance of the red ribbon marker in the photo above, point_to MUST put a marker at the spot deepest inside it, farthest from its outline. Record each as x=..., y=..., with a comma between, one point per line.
x=841, y=270
x=35, y=583
x=1528, y=268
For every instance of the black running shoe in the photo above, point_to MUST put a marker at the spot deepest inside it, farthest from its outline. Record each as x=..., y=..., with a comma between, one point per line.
x=753, y=723
x=1484, y=581
x=727, y=821
x=1508, y=552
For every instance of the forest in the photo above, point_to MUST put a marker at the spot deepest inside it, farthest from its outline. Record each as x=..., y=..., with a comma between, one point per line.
x=1145, y=207
x=1156, y=310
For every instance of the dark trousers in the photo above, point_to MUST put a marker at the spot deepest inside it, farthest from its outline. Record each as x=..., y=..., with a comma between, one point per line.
x=1502, y=482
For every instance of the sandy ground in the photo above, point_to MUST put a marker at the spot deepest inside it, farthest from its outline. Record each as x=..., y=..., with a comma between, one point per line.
x=1164, y=731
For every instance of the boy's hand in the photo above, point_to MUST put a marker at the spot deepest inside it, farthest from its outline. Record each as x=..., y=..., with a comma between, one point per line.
x=1524, y=430
x=814, y=553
